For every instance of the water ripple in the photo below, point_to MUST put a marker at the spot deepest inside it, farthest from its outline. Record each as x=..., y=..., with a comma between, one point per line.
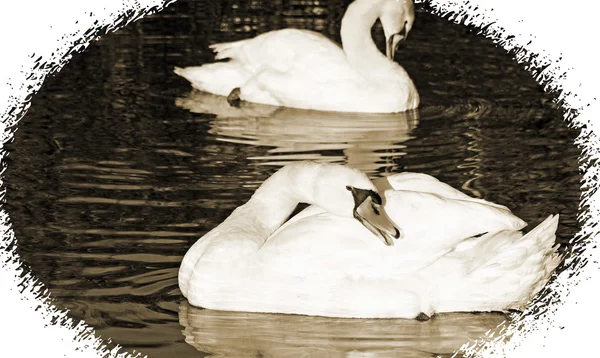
x=118, y=168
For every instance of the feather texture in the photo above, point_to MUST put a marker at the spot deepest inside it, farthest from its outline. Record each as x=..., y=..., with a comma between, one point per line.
x=456, y=253
x=304, y=69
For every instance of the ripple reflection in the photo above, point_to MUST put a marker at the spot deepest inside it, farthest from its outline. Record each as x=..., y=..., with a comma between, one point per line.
x=241, y=334
x=365, y=141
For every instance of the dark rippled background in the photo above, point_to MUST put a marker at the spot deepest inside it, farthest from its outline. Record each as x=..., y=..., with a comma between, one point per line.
x=118, y=168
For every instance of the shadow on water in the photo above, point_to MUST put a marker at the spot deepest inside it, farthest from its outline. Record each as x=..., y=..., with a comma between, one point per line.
x=118, y=167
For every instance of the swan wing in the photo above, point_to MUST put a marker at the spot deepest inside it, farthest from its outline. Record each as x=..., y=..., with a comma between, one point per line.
x=433, y=217
x=294, y=51
x=257, y=65
x=431, y=227
x=419, y=182
x=430, y=220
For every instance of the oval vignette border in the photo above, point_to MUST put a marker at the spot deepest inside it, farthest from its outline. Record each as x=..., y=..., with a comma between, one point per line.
x=553, y=39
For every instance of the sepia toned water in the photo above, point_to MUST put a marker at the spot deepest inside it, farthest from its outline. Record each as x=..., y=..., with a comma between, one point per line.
x=118, y=167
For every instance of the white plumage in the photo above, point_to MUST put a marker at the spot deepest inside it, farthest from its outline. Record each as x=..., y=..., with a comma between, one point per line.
x=304, y=69
x=456, y=253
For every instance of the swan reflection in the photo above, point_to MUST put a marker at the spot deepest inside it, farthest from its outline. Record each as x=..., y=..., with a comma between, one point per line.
x=241, y=334
x=368, y=142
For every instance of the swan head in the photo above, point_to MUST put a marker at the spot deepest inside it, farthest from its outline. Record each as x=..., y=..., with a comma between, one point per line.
x=350, y=193
x=397, y=18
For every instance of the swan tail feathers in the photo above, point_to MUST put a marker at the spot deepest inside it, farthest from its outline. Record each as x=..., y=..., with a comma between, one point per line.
x=544, y=234
x=540, y=260
x=217, y=78
x=226, y=49
x=531, y=273
x=507, y=270
x=535, y=251
x=542, y=241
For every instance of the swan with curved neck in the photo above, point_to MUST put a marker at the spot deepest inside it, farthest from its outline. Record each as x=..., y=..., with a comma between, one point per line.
x=303, y=69
x=339, y=190
x=340, y=257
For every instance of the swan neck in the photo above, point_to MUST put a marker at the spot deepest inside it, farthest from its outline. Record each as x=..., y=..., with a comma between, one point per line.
x=279, y=195
x=361, y=51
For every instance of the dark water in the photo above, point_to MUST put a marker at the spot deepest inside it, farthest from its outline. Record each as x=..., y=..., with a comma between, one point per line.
x=113, y=173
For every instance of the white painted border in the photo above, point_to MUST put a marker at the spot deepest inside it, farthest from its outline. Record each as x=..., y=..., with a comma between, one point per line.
x=561, y=32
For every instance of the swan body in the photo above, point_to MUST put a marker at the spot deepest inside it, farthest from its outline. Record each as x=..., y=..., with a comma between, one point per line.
x=455, y=253
x=304, y=69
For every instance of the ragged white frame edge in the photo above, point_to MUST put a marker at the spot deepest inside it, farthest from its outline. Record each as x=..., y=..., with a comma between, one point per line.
x=560, y=36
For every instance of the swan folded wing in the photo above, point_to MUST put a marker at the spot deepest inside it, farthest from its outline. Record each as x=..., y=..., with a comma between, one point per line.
x=419, y=182
x=424, y=183
x=430, y=221
x=288, y=51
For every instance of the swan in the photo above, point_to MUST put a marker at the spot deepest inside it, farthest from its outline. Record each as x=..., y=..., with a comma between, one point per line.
x=304, y=69
x=420, y=248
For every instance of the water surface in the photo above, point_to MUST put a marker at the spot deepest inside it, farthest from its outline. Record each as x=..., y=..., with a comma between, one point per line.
x=118, y=167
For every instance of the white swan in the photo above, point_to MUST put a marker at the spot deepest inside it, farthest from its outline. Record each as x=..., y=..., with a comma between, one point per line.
x=304, y=69
x=456, y=253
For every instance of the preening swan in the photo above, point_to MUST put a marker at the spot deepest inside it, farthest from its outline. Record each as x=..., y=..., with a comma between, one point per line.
x=420, y=248
x=304, y=69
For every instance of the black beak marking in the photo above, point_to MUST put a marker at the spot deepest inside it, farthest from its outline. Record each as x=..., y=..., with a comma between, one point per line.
x=403, y=31
x=360, y=195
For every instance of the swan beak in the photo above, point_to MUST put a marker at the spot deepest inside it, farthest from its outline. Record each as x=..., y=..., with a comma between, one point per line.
x=392, y=44
x=374, y=218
